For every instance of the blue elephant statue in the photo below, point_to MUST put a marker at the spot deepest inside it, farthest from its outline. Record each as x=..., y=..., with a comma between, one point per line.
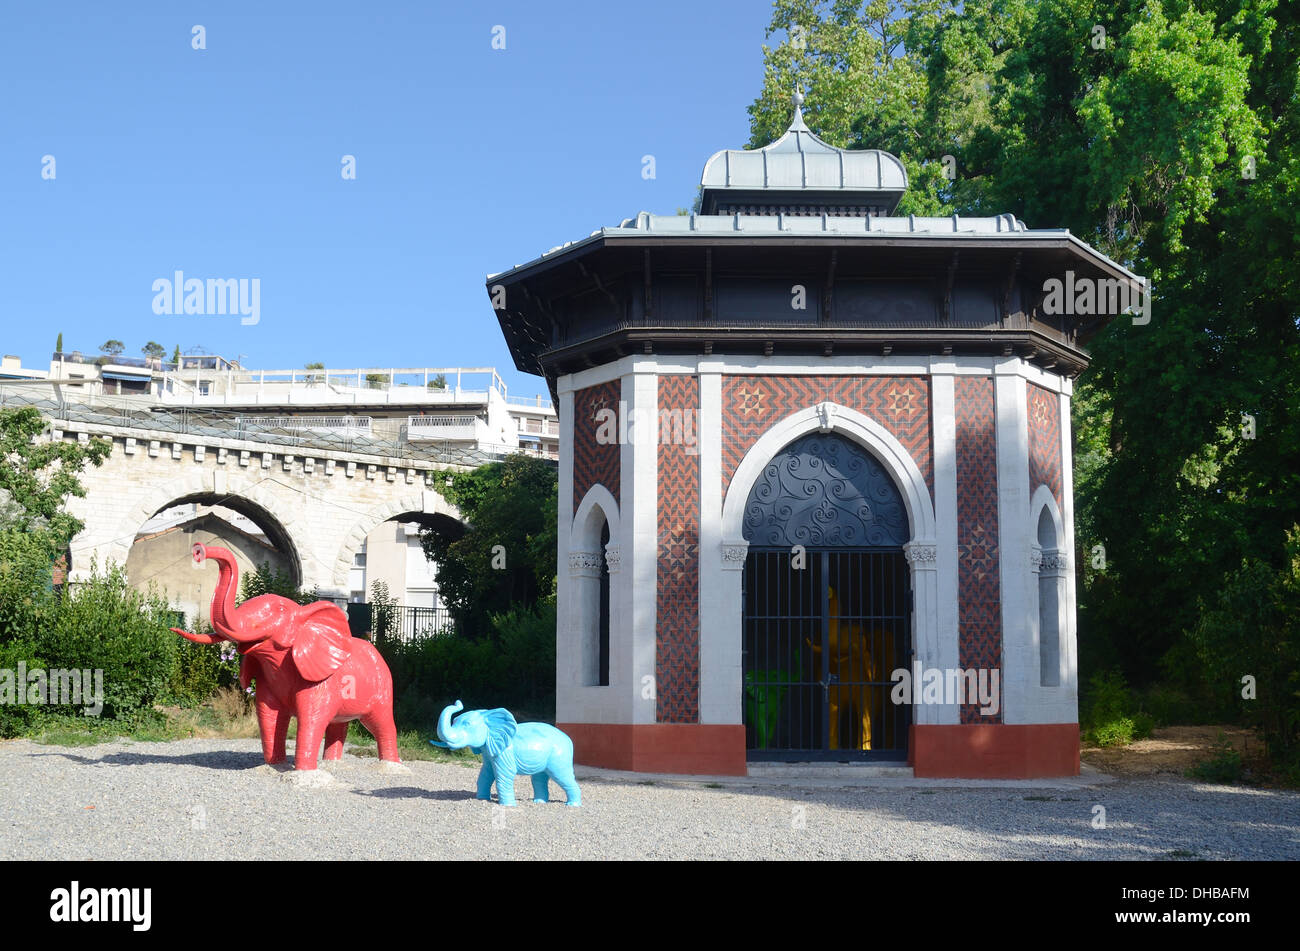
x=534, y=749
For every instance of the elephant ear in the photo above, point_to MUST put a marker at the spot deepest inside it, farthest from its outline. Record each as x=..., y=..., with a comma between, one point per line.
x=320, y=639
x=501, y=727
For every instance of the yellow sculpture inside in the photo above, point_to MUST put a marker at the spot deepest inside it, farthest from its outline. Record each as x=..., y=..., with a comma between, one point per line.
x=856, y=660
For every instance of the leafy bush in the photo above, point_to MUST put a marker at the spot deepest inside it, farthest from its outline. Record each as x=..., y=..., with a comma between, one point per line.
x=104, y=624
x=1252, y=629
x=512, y=668
x=202, y=670
x=1224, y=767
x=17, y=719
x=1109, y=717
x=265, y=580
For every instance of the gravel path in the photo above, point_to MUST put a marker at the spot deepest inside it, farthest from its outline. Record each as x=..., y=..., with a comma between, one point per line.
x=205, y=799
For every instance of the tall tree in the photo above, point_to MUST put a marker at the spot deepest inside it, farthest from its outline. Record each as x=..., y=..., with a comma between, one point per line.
x=112, y=347
x=506, y=557
x=1164, y=134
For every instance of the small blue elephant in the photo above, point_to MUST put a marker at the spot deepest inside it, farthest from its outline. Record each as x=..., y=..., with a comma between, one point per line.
x=534, y=749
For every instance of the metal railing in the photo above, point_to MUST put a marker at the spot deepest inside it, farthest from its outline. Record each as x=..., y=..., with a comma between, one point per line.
x=409, y=623
x=442, y=427
x=352, y=424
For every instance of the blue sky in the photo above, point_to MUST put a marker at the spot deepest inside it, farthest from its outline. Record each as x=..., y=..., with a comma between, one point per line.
x=226, y=162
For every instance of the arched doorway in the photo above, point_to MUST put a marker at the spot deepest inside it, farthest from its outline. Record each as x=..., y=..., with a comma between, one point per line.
x=826, y=604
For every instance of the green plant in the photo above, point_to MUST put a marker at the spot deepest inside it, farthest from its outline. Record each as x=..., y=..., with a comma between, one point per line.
x=506, y=556
x=1223, y=767
x=203, y=669
x=105, y=624
x=1108, y=717
x=267, y=580
x=383, y=612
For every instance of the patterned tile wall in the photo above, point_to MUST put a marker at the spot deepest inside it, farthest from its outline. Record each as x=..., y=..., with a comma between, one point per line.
x=677, y=641
x=979, y=589
x=751, y=404
x=1045, y=441
x=594, y=463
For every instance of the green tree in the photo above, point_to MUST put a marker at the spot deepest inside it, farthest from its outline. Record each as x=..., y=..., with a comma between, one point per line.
x=39, y=475
x=176, y=356
x=439, y=382
x=154, y=350
x=112, y=347
x=377, y=381
x=58, y=344
x=506, y=557
x=267, y=580
x=1168, y=140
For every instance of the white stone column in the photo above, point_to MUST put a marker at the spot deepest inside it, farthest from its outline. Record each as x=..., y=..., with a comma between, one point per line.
x=1020, y=661
x=567, y=650
x=1067, y=710
x=941, y=651
x=640, y=555
x=720, y=673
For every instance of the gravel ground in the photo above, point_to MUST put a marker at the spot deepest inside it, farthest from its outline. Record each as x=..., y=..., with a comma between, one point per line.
x=206, y=799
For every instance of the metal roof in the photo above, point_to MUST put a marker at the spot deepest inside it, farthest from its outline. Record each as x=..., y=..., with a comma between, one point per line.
x=800, y=162
x=776, y=227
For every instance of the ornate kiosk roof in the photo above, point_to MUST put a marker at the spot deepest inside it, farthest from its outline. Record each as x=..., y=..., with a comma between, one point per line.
x=799, y=215
x=800, y=173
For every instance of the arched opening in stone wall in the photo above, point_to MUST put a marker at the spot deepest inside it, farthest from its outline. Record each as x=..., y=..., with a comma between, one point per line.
x=161, y=552
x=1050, y=591
x=390, y=562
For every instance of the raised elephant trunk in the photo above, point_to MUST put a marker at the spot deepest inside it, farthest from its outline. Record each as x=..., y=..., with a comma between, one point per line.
x=223, y=598
x=450, y=735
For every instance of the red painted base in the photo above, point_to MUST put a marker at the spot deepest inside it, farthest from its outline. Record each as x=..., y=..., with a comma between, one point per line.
x=995, y=750
x=688, y=748
x=973, y=751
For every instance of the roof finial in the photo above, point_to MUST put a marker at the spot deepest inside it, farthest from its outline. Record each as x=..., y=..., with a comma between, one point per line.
x=797, y=122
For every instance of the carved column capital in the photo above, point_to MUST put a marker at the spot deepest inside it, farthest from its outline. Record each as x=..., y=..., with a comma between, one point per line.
x=922, y=556
x=584, y=564
x=734, y=555
x=613, y=558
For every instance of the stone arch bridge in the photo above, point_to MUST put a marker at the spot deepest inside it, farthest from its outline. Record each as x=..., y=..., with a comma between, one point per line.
x=316, y=503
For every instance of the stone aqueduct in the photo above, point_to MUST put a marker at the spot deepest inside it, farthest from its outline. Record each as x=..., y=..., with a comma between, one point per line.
x=316, y=505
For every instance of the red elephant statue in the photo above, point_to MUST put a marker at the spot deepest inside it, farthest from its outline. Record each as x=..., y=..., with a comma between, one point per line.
x=306, y=664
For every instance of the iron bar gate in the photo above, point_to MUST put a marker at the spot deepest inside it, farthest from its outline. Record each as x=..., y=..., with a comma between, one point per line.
x=823, y=632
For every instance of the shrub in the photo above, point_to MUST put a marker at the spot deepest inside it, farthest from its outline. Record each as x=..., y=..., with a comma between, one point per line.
x=203, y=669
x=104, y=624
x=1224, y=767
x=512, y=668
x=17, y=719
x=1109, y=718
x=1252, y=628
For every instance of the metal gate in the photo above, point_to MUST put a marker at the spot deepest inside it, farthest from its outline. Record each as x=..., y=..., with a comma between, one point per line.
x=826, y=606
x=823, y=632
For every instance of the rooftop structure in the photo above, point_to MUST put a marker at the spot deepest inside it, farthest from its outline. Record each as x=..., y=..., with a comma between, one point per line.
x=843, y=447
